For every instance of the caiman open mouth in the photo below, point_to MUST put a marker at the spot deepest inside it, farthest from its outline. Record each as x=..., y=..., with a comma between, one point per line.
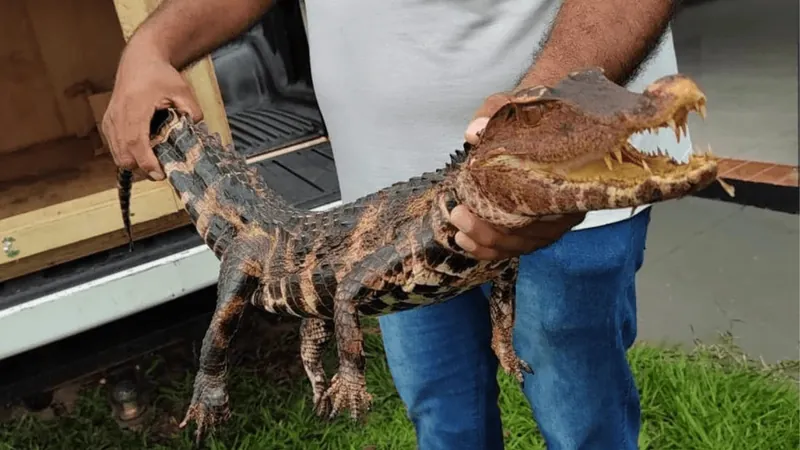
x=579, y=132
x=626, y=163
x=623, y=165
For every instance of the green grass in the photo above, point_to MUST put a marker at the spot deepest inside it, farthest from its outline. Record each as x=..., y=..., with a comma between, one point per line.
x=711, y=398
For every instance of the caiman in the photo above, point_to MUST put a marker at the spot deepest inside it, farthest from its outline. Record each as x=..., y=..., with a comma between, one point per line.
x=550, y=151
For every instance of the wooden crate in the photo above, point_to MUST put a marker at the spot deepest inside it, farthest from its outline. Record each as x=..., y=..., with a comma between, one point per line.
x=58, y=200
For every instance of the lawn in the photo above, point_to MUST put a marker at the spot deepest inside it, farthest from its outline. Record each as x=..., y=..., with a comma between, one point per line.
x=709, y=398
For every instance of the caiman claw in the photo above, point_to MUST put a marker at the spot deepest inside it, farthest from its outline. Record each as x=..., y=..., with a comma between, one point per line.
x=514, y=366
x=350, y=393
x=209, y=406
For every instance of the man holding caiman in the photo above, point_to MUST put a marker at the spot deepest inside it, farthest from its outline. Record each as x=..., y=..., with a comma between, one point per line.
x=401, y=84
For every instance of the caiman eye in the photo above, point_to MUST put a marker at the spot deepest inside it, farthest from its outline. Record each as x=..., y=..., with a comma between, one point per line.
x=532, y=114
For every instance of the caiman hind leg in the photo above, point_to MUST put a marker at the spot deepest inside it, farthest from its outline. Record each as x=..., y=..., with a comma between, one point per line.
x=314, y=336
x=502, y=300
x=238, y=280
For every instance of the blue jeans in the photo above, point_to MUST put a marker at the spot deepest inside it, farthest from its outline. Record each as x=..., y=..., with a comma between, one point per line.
x=576, y=317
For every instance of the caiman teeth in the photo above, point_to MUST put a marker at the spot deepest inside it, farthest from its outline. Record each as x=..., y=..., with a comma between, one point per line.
x=618, y=155
x=675, y=128
x=678, y=122
x=646, y=167
x=607, y=159
x=726, y=187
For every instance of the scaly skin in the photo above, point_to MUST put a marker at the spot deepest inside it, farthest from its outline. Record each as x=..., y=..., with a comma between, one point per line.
x=546, y=153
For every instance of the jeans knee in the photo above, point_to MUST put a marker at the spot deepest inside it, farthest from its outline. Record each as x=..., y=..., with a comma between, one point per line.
x=581, y=289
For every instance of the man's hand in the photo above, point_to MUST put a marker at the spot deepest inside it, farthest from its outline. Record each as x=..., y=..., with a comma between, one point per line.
x=485, y=241
x=145, y=82
x=481, y=117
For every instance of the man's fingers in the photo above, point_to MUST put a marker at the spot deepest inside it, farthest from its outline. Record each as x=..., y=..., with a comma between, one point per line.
x=479, y=231
x=552, y=228
x=481, y=117
x=122, y=158
x=186, y=103
x=565, y=223
x=148, y=162
x=474, y=129
x=478, y=251
x=484, y=234
x=138, y=146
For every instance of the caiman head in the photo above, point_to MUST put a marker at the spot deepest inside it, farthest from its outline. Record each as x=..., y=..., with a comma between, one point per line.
x=566, y=149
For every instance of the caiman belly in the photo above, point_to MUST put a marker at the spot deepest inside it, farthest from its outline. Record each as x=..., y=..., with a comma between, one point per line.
x=393, y=278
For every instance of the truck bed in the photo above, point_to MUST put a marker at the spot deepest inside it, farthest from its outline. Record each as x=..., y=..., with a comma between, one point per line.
x=265, y=83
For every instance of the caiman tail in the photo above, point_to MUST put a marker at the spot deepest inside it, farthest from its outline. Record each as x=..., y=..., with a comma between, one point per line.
x=124, y=186
x=221, y=194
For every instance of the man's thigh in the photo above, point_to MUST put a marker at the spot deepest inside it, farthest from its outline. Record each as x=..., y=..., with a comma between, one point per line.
x=444, y=370
x=576, y=317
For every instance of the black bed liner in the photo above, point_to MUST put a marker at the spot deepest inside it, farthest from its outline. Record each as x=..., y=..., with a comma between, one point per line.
x=269, y=103
x=261, y=130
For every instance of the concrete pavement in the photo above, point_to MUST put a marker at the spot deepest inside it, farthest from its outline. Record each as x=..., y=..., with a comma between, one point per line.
x=715, y=266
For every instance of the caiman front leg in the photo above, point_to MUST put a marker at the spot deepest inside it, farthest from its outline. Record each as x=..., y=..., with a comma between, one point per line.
x=209, y=405
x=314, y=336
x=502, y=300
x=349, y=386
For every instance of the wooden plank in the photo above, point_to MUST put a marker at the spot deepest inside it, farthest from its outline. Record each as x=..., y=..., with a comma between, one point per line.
x=758, y=171
x=91, y=176
x=28, y=112
x=98, y=104
x=58, y=158
x=131, y=13
x=68, y=223
x=24, y=266
x=203, y=81
x=80, y=42
x=288, y=149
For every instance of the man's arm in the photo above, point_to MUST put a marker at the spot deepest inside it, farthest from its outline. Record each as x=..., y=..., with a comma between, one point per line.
x=182, y=31
x=616, y=35
x=175, y=35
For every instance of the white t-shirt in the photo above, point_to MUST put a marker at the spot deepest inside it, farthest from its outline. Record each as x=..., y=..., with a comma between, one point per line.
x=398, y=81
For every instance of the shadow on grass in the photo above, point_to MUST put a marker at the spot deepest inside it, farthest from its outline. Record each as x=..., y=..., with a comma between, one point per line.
x=712, y=398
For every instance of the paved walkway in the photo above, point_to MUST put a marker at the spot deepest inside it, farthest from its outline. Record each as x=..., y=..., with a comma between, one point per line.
x=743, y=53
x=715, y=266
